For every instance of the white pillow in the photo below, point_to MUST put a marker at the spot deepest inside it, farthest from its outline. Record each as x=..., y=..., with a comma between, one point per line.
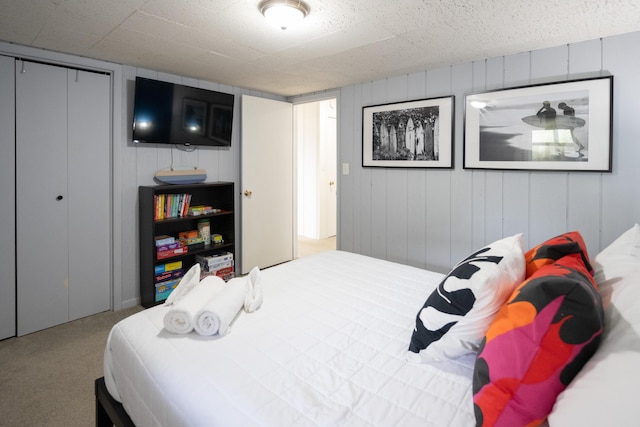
x=605, y=391
x=456, y=315
x=188, y=282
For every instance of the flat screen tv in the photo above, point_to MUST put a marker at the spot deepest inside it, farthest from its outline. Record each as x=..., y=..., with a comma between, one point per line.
x=168, y=113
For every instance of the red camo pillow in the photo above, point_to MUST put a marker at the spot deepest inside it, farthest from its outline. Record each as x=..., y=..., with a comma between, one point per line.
x=537, y=343
x=570, y=243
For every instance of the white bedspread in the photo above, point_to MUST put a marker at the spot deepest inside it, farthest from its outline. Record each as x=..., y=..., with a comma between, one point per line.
x=327, y=348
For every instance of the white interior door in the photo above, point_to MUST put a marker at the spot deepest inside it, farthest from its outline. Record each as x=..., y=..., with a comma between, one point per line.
x=316, y=143
x=328, y=169
x=41, y=192
x=266, y=182
x=8, y=197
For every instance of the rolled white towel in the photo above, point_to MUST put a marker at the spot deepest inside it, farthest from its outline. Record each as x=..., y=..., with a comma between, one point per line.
x=181, y=317
x=186, y=284
x=253, y=297
x=216, y=315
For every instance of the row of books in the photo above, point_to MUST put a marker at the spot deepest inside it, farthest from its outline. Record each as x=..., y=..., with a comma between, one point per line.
x=202, y=210
x=220, y=264
x=171, y=205
x=167, y=277
x=168, y=246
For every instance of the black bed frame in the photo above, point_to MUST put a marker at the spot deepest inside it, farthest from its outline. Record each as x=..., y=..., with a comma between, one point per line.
x=109, y=412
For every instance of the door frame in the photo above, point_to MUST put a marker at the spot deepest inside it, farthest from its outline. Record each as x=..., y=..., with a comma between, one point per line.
x=305, y=99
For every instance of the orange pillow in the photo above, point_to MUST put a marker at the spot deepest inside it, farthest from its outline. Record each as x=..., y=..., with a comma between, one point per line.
x=567, y=244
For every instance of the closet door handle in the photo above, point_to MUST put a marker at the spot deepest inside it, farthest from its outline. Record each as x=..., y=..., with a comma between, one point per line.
x=59, y=198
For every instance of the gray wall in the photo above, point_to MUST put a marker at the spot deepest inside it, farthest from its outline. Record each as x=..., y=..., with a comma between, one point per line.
x=426, y=218
x=433, y=218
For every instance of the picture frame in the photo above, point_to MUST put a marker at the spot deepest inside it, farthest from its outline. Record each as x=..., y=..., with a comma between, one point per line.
x=560, y=126
x=410, y=134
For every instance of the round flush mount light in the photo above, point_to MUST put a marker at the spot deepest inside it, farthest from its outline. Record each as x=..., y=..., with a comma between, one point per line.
x=283, y=14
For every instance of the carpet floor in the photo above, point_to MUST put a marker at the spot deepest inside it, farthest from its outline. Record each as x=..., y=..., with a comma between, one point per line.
x=47, y=377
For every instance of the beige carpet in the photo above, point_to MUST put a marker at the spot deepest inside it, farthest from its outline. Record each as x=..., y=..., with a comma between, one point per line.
x=46, y=378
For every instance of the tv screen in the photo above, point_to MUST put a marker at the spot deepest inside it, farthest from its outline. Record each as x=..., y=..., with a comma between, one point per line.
x=168, y=113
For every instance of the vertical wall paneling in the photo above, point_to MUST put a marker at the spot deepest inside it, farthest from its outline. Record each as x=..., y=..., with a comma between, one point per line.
x=379, y=206
x=478, y=212
x=461, y=198
x=515, y=184
x=378, y=191
x=584, y=188
x=438, y=190
x=548, y=190
x=128, y=160
x=620, y=190
x=397, y=215
x=346, y=183
x=494, y=196
x=465, y=209
x=364, y=221
x=7, y=195
x=416, y=190
x=397, y=188
x=604, y=203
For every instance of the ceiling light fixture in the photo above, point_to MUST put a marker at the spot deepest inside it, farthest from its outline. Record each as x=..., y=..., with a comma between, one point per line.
x=284, y=14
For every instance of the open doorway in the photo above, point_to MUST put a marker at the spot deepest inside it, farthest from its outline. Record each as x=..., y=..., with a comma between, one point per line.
x=315, y=139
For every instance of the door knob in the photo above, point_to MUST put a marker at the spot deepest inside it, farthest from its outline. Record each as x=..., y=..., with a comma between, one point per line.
x=59, y=198
x=331, y=182
x=247, y=193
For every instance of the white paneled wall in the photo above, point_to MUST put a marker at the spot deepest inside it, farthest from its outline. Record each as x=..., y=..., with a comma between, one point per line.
x=427, y=218
x=433, y=218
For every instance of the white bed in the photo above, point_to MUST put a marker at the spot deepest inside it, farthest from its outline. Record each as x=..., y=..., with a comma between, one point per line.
x=327, y=347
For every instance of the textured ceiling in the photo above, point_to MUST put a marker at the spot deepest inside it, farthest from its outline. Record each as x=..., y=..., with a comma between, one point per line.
x=339, y=43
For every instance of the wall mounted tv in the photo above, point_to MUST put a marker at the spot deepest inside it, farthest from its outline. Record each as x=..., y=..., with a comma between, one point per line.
x=168, y=113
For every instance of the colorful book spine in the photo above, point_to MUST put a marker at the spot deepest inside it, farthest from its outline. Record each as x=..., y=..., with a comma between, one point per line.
x=171, y=205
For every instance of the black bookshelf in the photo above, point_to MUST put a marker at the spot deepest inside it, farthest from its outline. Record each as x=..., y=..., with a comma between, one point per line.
x=219, y=195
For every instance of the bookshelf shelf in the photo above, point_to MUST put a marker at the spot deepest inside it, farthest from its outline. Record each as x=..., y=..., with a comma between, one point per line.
x=219, y=195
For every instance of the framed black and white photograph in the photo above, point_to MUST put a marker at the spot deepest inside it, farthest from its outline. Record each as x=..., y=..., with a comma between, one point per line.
x=563, y=126
x=411, y=134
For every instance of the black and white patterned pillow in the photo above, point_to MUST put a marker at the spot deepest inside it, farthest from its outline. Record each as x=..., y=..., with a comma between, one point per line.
x=454, y=318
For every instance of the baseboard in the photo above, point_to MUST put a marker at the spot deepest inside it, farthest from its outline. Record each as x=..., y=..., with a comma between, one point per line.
x=130, y=303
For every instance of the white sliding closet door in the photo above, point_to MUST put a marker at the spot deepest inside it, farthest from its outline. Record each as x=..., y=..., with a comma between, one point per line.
x=62, y=193
x=89, y=192
x=41, y=191
x=8, y=196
